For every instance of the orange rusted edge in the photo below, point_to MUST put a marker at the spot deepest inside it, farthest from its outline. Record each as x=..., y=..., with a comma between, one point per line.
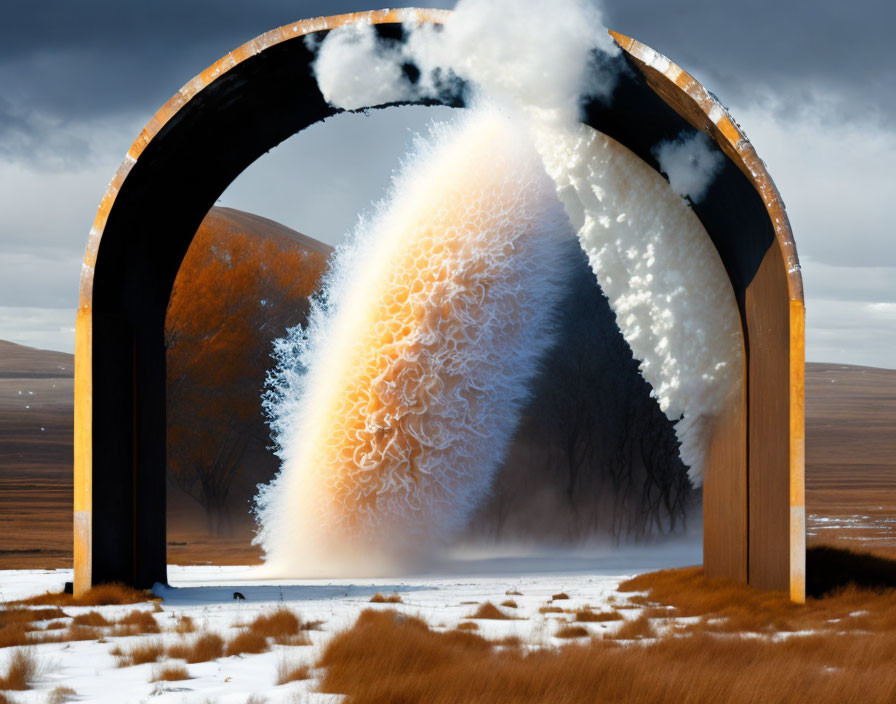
x=704, y=112
x=716, y=120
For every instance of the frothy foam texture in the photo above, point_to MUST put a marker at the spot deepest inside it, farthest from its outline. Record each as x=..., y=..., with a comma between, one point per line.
x=662, y=275
x=393, y=408
x=650, y=254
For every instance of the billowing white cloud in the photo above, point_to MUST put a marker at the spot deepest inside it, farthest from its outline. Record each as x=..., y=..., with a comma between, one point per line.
x=690, y=163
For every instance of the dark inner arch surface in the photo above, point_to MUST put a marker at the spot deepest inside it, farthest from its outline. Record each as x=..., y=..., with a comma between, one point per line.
x=194, y=157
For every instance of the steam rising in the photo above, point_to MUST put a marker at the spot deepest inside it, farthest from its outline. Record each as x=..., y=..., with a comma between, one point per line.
x=690, y=163
x=394, y=407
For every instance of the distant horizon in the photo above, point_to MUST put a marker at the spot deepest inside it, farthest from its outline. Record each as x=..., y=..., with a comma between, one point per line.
x=808, y=361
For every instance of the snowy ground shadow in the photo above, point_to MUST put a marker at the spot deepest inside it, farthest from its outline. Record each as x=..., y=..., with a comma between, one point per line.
x=602, y=560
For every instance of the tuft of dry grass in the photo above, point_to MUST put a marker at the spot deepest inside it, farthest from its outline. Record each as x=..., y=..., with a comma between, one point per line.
x=21, y=669
x=572, y=632
x=634, y=629
x=139, y=654
x=136, y=622
x=296, y=639
x=281, y=624
x=61, y=695
x=256, y=699
x=489, y=611
x=170, y=673
x=247, y=641
x=291, y=671
x=381, y=599
x=184, y=625
x=93, y=619
x=510, y=604
x=560, y=597
x=100, y=595
x=204, y=648
x=513, y=592
x=468, y=626
x=14, y=635
x=55, y=625
x=550, y=610
x=76, y=633
x=589, y=616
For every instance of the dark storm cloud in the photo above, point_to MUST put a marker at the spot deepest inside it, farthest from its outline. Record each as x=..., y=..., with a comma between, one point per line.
x=28, y=135
x=814, y=55
x=78, y=60
x=68, y=60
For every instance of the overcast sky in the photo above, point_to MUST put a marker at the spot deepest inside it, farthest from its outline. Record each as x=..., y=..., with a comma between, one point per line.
x=813, y=84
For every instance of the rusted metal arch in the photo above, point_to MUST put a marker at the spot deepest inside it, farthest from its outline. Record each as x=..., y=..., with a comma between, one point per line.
x=262, y=93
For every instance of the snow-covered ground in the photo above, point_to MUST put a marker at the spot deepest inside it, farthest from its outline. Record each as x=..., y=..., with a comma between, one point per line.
x=444, y=598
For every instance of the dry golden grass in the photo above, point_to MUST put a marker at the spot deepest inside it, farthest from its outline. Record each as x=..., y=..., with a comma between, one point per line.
x=468, y=626
x=170, y=673
x=91, y=618
x=14, y=635
x=381, y=599
x=61, y=695
x=17, y=625
x=634, y=629
x=281, y=624
x=138, y=654
x=731, y=607
x=247, y=641
x=488, y=611
x=55, y=625
x=390, y=658
x=28, y=616
x=100, y=595
x=572, y=632
x=204, y=648
x=560, y=596
x=510, y=604
x=508, y=642
x=21, y=669
x=136, y=622
x=300, y=638
x=513, y=592
x=184, y=625
x=550, y=610
x=291, y=671
x=589, y=616
x=73, y=633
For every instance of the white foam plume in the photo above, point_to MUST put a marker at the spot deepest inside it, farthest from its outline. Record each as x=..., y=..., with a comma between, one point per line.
x=662, y=275
x=690, y=163
x=394, y=406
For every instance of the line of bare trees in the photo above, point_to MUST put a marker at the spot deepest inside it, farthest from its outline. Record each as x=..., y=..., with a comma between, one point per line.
x=594, y=455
